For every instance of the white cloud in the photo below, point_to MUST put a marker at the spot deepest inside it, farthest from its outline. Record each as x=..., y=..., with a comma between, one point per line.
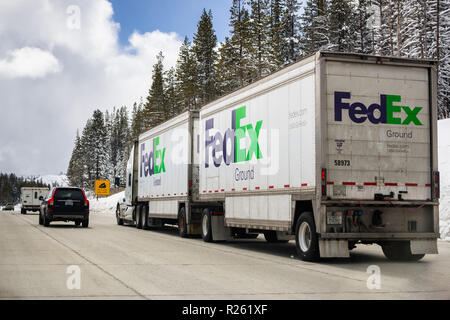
x=52, y=77
x=29, y=63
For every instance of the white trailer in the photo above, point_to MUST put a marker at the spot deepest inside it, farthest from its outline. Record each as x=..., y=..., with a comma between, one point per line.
x=334, y=150
x=30, y=198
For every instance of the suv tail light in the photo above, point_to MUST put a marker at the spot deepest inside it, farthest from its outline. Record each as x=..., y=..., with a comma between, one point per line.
x=86, y=201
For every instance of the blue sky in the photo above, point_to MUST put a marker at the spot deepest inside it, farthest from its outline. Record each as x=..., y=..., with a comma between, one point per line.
x=180, y=16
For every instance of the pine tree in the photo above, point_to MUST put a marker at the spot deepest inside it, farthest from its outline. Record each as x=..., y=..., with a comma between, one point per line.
x=94, y=143
x=227, y=72
x=363, y=27
x=204, y=45
x=259, y=44
x=155, y=111
x=290, y=23
x=172, y=99
x=276, y=36
x=75, y=171
x=186, y=77
x=137, y=120
x=341, y=30
x=239, y=45
x=314, y=26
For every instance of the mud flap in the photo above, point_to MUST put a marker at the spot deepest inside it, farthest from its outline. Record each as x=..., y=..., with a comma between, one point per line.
x=333, y=248
x=219, y=231
x=424, y=246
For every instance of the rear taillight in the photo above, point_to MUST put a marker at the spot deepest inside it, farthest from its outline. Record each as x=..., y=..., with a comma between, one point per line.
x=435, y=185
x=51, y=201
x=86, y=201
x=324, y=183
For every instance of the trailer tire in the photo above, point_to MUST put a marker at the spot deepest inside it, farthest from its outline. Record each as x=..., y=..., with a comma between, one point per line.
x=182, y=225
x=144, y=218
x=400, y=251
x=271, y=237
x=77, y=223
x=118, y=218
x=139, y=217
x=306, y=240
x=206, y=226
x=23, y=211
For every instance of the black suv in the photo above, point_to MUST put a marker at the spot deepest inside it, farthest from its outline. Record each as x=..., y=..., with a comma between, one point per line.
x=65, y=204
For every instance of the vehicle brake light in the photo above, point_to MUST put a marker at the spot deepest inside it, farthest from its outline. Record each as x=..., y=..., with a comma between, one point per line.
x=436, y=183
x=324, y=182
x=86, y=201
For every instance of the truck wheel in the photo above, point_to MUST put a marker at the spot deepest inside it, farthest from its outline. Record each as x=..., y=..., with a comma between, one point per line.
x=139, y=217
x=182, y=225
x=206, y=226
x=85, y=223
x=23, y=211
x=144, y=218
x=41, y=222
x=400, y=251
x=271, y=237
x=77, y=223
x=306, y=241
x=119, y=220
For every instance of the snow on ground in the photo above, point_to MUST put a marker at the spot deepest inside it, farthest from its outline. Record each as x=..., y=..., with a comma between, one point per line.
x=107, y=205
x=444, y=169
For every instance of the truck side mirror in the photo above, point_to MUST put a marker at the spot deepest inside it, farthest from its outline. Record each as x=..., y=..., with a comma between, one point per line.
x=41, y=198
x=123, y=199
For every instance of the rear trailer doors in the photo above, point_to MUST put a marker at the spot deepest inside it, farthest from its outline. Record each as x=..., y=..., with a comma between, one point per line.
x=378, y=131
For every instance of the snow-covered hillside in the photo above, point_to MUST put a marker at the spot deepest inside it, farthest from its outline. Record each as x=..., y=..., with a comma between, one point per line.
x=444, y=169
x=53, y=180
x=107, y=205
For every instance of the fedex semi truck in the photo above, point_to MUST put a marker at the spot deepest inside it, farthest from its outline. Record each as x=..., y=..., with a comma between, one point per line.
x=333, y=151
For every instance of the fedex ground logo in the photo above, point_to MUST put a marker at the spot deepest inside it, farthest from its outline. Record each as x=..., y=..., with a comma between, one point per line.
x=152, y=161
x=383, y=111
x=227, y=146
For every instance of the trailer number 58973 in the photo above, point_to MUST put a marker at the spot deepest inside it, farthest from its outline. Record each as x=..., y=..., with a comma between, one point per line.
x=342, y=163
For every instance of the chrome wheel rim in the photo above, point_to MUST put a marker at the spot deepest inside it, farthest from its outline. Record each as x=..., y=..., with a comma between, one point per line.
x=205, y=224
x=305, y=236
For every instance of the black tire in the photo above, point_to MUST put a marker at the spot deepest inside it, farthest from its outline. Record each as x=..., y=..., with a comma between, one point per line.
x=400, y=251
x=119, y=220
x=85, y=223
x=182, y=225
x=271, y=237
x=23, y=211
x=306, y=239
x=77, y=223
x=139, y=217
x=144, y=218
x=46, y=221
x=41, y=222
x=206, y=226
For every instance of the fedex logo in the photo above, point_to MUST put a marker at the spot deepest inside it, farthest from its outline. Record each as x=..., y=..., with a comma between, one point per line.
x=387, y=111
x=153, y=162
x=227, y=147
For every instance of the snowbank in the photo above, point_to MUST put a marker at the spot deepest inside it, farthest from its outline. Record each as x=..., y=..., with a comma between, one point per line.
x=444, y=169
x=106, y=205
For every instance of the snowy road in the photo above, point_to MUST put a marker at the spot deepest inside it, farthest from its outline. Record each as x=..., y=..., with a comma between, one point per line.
x=126, y=263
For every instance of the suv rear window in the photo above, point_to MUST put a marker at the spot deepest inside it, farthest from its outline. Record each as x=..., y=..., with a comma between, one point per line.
x=69, y=194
